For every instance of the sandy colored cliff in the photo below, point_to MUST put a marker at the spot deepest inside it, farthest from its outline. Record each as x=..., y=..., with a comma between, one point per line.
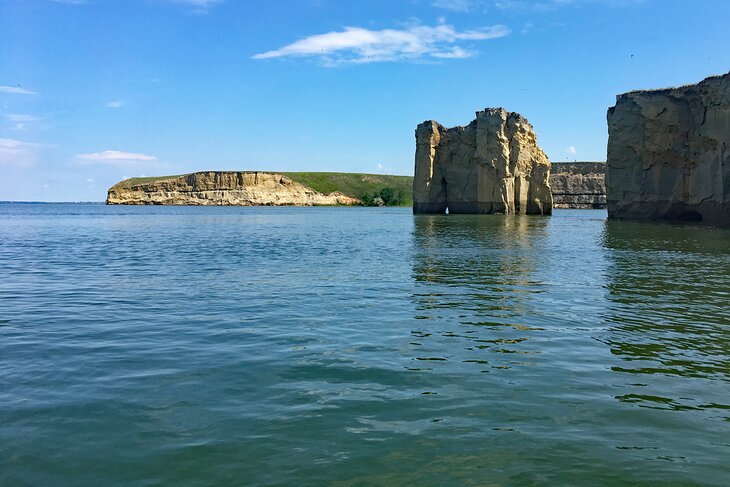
x=216, y=188
x=492, y=165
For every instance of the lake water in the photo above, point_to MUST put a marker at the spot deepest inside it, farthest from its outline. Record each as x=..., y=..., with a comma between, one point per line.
x=358, y=346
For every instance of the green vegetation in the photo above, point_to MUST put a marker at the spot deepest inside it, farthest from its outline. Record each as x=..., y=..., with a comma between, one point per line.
x=385, y=197
x=392, y=190
x=371, y=189
x=128, y=183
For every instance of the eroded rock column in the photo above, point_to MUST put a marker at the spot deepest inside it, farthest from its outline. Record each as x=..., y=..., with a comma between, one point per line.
x=492, y=165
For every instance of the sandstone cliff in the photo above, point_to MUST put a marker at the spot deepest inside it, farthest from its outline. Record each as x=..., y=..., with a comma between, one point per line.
x=669, y=153
x=578, y=185
x=492, y=165
x=221, y=189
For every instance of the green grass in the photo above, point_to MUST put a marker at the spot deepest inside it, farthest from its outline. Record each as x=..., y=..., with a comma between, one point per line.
x=357, y=185
x=128, y=183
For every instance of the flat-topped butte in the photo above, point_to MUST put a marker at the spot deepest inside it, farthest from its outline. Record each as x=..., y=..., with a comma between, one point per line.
x=261, y=188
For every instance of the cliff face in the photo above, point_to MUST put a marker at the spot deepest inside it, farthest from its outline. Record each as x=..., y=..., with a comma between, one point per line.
x=221, y=189
x=578, y=185
x=669, y=154
x=493, y=165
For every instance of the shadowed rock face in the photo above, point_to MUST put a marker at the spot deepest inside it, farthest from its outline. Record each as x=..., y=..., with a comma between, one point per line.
x=492, y=165
x=219, y=188
x=669, y=154
x=578, y=184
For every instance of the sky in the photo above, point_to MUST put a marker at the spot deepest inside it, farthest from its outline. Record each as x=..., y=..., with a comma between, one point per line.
x=96, y=91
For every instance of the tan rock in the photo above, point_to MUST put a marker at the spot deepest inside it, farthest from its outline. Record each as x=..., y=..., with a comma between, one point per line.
x=492, y=165
x=669, y=154
x=223, y=189
x=578, y=185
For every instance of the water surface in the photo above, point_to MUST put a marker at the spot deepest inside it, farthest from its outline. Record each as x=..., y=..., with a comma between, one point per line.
x=356, y=346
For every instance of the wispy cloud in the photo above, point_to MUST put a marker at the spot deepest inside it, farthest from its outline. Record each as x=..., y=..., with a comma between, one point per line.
x=115, y=157
x=199, y=6
x=16, y=153
x=114, y=104
x=16, y=90
x=455, y=5
x=571, y=150
x=21, y=121
x=199, y=3
x=359, y=45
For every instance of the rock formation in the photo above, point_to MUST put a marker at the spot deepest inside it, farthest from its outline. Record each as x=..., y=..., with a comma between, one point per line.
x=578, y=184
x=669, y=153
x=221, y=189
x=492, y=165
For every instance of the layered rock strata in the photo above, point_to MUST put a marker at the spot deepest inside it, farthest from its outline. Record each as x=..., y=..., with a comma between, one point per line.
x=578, y=185
x=223, y=189
x=492, y=165
x=669, y=154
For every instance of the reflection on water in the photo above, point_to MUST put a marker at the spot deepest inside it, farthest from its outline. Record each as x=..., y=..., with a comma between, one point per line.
x=576, y=324
x=359, y=346
x=669, y=313
x=486, y=270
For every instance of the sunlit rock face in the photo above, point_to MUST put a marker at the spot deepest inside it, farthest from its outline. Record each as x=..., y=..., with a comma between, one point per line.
x=492, y=165
x=221, y=188
x=669, y=154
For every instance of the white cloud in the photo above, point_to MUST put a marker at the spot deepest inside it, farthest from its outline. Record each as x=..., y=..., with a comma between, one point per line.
x=199, y=6
x=21, y=121
x=16, y=90
x=116, y=157
x=359, y=45
x=114, y=104
x=453, y=53
x=18, y=153
x=571, y=150
x=89, y=180
x=199, y=3
x=20, y=118
x=455, y=5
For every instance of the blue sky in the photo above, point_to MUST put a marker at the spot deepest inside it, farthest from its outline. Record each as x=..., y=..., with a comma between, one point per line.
x=92, y=91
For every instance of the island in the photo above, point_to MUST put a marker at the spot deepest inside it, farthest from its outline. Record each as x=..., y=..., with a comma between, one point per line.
x=491, y=165
x=259, y=188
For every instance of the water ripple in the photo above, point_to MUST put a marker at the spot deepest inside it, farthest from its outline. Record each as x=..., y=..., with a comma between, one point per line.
x=349, y=346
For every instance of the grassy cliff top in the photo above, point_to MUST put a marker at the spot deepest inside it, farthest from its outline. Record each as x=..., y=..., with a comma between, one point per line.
x=357, y=185
x=128, y=183
x=362, y=186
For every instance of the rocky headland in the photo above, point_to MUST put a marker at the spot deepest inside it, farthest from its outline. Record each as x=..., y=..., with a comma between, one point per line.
x=578, y=185
x=218, y=188
x=492, y=165
x=669, y=154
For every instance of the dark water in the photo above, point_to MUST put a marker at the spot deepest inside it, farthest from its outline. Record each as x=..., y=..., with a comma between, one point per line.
x=340, y=346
